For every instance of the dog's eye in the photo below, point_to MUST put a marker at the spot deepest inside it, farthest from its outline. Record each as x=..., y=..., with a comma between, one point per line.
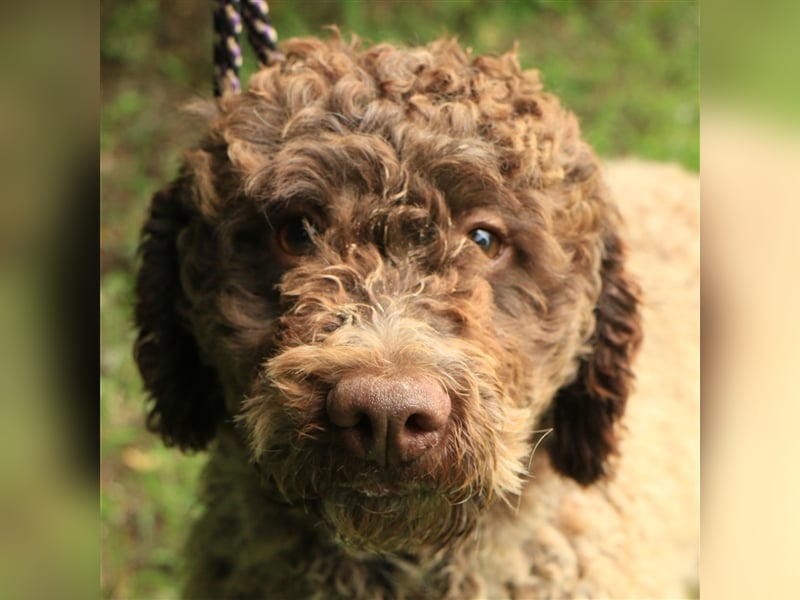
x=296, y=236
x=488, y=242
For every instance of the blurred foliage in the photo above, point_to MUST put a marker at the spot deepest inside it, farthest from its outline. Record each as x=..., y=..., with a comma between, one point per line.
x=751, y=58
x=629, y=69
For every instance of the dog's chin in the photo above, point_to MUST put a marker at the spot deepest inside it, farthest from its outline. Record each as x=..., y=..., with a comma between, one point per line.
x=381, y=519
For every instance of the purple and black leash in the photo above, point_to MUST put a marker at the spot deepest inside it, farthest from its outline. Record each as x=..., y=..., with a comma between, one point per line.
x=229, y=17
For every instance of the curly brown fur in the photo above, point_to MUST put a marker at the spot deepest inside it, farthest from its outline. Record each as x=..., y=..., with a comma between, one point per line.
x=317, y=268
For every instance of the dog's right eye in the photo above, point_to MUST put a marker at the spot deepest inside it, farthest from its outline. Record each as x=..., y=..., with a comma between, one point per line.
x=487, y=241
x=296, y=236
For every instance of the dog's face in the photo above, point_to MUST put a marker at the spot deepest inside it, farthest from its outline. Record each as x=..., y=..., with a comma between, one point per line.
x=393, y=270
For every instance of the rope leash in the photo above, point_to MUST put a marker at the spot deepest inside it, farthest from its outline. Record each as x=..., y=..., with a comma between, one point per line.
x=229, y=17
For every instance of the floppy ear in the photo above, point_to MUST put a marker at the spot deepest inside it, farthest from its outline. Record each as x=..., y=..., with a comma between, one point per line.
x=585, y=412
x=186, y=397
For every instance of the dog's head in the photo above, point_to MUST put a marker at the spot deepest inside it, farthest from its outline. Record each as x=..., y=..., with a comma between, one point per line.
x=392, y=269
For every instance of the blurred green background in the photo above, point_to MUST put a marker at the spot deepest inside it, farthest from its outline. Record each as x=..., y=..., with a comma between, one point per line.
x=628, y=69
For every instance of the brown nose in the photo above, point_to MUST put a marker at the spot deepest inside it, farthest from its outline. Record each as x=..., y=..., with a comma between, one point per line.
x=389, y=420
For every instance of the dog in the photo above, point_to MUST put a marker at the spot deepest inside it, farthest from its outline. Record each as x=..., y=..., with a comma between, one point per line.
x=389, y=293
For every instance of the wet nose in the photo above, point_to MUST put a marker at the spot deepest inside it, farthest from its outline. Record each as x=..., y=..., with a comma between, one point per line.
x=389, y=420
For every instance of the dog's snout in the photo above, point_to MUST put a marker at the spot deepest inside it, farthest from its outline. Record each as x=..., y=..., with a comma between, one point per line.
x=389, y=420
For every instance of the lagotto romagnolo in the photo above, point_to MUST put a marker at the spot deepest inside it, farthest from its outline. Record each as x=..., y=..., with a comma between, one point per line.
x=388, y=293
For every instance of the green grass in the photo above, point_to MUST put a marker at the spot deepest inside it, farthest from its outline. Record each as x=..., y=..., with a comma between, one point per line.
x=147, y=491
x=629, y=69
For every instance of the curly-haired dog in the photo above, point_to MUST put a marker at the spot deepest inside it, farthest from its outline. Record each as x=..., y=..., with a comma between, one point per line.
x=388, y=291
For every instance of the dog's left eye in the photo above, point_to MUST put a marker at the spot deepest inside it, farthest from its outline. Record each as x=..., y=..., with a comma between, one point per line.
x=488, y=242
x=296, y=236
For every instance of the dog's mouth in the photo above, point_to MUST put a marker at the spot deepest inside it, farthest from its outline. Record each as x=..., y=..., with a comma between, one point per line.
x=372, y=481
x=379, y=489
x=385, y=518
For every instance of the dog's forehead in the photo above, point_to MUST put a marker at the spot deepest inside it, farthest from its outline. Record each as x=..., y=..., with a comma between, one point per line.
x=373, y=170
x=475, y=129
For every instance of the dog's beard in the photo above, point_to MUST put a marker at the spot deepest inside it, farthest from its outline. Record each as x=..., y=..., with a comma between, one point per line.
x=371, y=511
x=397, y=523
x=423, y=506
